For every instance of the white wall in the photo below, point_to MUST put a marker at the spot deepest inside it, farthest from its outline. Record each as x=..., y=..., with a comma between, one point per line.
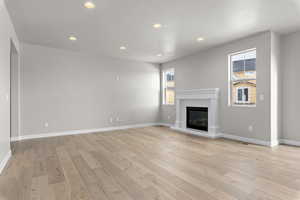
x=71, y=91
x=7, y=34
x=209, y=69
x=290, y=62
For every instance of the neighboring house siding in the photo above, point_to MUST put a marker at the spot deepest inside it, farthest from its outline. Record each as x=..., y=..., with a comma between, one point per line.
x=252, y=91
x=248, y=82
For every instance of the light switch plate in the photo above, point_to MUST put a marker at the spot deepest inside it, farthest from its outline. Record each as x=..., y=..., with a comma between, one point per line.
x=262, y=97
x=250, y=128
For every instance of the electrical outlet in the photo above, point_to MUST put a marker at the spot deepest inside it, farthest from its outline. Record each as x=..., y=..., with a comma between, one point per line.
x=46, y=124
x=111, y=120
x=118, y=78
x=7, y=97
x=250, y=128
x=169, y=117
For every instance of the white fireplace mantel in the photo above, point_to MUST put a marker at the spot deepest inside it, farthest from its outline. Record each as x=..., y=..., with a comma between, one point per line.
x=202, y=98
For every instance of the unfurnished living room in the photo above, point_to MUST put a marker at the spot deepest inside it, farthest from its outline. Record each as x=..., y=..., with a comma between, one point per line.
x=149, y=99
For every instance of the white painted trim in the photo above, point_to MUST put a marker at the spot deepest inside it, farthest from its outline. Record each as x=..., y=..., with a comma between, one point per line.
x=164, y=124
x=4, y=161
x=83, y=131
x=274, y=143
x=244, y=139
x=209, y=93
x=19, y=93
x=211, y=96
x=239, y=138
x=189, y=131
x=290, y=142
x=196, y=132
x=227, y=136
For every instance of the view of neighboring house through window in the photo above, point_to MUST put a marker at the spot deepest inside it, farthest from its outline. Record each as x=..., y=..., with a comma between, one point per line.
x=243, y=78
x=168, y=87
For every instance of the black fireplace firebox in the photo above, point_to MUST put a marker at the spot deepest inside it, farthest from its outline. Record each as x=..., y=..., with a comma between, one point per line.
x=197, y=118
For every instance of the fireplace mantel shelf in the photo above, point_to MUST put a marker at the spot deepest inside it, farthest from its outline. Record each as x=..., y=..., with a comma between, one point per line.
x=212, y=93
x=198, y=97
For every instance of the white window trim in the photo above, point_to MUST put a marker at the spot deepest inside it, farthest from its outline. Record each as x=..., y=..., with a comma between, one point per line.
x=164, y=87
x=230, y=103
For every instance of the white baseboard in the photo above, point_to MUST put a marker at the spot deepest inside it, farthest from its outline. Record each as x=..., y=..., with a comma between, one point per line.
x=227, y=136
x=4, y=161
x=290, y=142
x=248, y=140
x=83, y=131
x=197, y=133
x=164, y=124
x=274, y=143
x=203, y=134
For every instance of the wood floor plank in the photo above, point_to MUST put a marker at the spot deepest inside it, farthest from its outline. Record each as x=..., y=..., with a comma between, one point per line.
x=54, y=170
x=133, y=189
x=152, y=163
x=60, y=191
x=90, y=179
x=112, y=189
x=77, y=189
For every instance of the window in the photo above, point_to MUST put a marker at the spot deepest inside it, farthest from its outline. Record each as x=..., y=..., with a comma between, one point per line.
x=168, y=87
x=242, y=95
x=242, y=78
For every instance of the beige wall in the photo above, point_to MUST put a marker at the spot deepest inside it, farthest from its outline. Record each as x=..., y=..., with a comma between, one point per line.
x=71, y=91
x=209, y=69
x=7, y=34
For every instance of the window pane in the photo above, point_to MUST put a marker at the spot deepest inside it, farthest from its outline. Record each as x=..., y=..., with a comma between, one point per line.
x=240, y=95
x=250, y=64
x=170, y=96
x=170, y=83
x=243, y=78
x=169, y=86
x=244, y=93
x=244, y=65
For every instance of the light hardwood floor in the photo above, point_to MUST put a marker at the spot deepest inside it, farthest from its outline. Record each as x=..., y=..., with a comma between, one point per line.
x=149, y=163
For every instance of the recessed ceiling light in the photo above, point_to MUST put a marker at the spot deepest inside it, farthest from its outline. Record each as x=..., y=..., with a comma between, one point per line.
x=123, y=48
x=199, y=39
x=157, y=25
x=72, y=38
x=159, y=55
x=89, y=5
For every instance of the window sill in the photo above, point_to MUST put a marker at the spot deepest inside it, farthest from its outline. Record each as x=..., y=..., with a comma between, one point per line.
x=247, y=106
x=167, y=105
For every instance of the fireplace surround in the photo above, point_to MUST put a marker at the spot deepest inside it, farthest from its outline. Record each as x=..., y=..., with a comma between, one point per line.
x=200, y=98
